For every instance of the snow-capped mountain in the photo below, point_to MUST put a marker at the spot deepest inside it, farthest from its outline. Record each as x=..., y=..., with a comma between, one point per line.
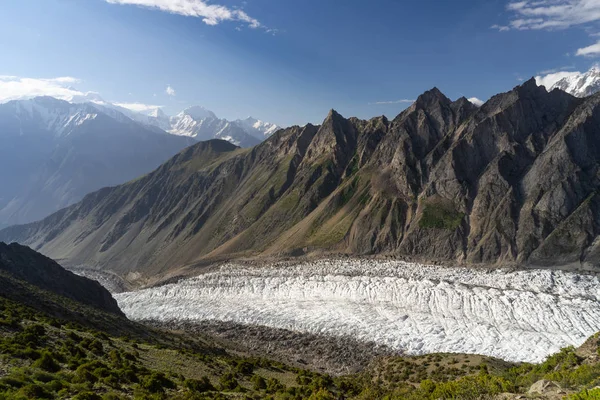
x=54, y=152
x=198, y=123
x=258, y=128
x=202, y=124
x=581, y=84
x=46, y=114
x=154, y=117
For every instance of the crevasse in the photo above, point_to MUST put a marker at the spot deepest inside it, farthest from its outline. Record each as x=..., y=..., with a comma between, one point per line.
x=517, y=316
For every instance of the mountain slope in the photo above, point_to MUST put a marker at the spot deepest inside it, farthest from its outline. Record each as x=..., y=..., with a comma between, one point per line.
x=514, y=181
x=23, y=264
x=55, y=343
x=54, y=152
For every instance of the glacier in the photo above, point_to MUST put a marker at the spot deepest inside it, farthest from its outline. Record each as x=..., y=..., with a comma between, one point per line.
x=516, y=315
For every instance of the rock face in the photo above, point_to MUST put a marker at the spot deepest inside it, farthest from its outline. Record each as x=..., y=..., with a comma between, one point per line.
x=24, y=264
x=544, y=387
x=514, y=181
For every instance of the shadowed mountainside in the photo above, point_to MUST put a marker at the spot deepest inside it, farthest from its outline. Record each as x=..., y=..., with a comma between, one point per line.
x=21, y=264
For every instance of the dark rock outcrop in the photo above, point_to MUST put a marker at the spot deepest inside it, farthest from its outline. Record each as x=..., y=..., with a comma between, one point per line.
x=23, y=264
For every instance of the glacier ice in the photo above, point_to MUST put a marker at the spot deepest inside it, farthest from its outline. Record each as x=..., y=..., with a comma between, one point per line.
x=515, y=315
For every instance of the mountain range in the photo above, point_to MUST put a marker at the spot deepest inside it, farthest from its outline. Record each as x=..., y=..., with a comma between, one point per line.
x=201, y=124
x=514, y=181
x=580, y=84
x=54, y=152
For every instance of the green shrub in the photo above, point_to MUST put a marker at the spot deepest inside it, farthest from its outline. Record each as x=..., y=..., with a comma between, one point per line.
x=111, y=396
x=96, y=347
x=157, y=382
x=47, y=363
x=56, y=385
x=593, y=394
x=128, y=375
x=440, y=216
x=87, y=396
x=274, y=386
x=83, y=374
x=43, y=377
x=16, y=380
x=111, y=381
x=199, y=385
x=322, y=394
x=259, y=382
x=244, y=367
x=228, y=382
x=34, y=391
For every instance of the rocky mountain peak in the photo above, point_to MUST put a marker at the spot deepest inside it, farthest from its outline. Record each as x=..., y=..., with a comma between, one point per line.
x=333, y=115
x=530, y=87
x=432, y=97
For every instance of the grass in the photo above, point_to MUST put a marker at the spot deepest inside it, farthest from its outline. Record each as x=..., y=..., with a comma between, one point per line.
x=333, y=231
x=440, y=215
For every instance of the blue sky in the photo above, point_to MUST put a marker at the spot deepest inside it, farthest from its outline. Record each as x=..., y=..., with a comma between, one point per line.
x=290, y=61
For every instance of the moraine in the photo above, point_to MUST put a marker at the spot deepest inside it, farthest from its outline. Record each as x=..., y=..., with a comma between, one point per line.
x=514, y=315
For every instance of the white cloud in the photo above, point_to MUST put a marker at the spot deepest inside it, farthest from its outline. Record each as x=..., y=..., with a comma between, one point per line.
x=211, y=14
x=392, y=102
x=551, y=14
x=170, y=91
x=15, y=88
x=589, y=51
x=554, y=70
x=501, y=28
x=550, y=79
x=138, y=107
x=476, y=101
x=66, y=80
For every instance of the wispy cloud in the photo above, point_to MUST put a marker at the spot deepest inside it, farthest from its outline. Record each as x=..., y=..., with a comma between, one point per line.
x=476, y=101
x=392, y=102
x=170, y=91
x=138, y=107
x=211, y=14
x=548, y=80
x=551, y=14
x=501, y=28
x=16, y=88
x=555, y=70
x=589, y=51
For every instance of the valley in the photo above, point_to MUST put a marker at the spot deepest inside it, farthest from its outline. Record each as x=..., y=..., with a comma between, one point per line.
x=518, y=316
x=414, y=216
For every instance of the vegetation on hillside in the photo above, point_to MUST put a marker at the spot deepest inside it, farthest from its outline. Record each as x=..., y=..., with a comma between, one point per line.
x=52, y=347
x=44, y=357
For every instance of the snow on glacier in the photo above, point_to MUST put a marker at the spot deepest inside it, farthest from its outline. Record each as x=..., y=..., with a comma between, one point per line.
x=514, y=315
